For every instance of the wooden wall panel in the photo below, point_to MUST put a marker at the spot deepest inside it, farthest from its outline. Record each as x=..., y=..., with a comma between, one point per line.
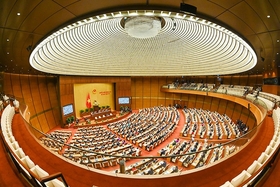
x=161, y=82
x=51, y=119
x=8, y=86
x=155, y=87
x=251, y=120
x=168, y=102
x=191, y=101
x=155, y=102
x=177, y=96
x=226, y=79
x=35, y=124
x=35, y=92
x=139, y=103
x=244, y=115
x=53, y=96
x=146, y=103
x=237, y=112
x=207, y=103
x=199, y=101
x=259, y=80
x=273, y=89
x=222, y=106
x=16, y=86
x=43, y=122
x=146, y=88
x=230, y=108
x=133, y=93
x=43, y=91
x=26, y=92
x=161, y=101
x=34, y=121
x=215, y=104
x=244, y=80
x=139, y=88
x=235, y=80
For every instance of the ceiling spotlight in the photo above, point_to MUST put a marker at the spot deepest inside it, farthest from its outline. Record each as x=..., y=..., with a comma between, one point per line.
x=268, y=16
x=18, y=13
x=29, y=48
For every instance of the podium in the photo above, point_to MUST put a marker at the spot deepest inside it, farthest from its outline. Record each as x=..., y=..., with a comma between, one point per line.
x=95, y=108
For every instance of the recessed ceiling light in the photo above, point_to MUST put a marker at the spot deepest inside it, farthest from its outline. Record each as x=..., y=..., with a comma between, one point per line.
x=277, y=53
x=268, y=16
x=8, y=39
x=8, y=53
x=277, y=40
x=18, y=13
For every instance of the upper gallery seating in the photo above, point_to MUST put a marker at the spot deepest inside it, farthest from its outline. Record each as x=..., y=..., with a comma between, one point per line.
x=25, y=162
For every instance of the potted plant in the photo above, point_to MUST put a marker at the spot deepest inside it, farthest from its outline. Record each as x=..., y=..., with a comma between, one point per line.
x=68, y=120
x=72, y=119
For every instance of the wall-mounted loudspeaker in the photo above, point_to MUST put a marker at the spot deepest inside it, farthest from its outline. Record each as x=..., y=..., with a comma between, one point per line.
x=188, y=8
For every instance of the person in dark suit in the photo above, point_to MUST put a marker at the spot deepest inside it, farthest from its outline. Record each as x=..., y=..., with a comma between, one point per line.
x=162, y=152
x=151, y=171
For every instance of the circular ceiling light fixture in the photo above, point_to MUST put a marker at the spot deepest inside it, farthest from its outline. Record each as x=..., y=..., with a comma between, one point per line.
x=181, y=45
x=142, y=26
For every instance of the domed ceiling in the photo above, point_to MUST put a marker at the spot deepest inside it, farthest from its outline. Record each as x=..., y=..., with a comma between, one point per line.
x=91, y=38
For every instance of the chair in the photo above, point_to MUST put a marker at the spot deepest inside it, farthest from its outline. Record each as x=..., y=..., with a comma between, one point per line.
x=236, y=181
x=97, y=165
x=90, y=165
x=27, y=162
x=99, y=156
x=113, y=162
x=105, y=164
x=254, y=167
x=227, y=184
x=85, y=160
x=92, y=158
x=263, y=157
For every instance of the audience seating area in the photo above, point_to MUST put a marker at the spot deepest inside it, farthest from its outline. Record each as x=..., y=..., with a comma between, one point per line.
x=61, y=137
x=268, y=100
x=150, y=167
x=257, y=165
x=87, y=142
x=31, y=170
x=135, y=133
x=211, y=125
x=147, y=129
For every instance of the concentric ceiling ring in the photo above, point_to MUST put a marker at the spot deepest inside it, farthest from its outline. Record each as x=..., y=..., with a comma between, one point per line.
x=185, y=45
